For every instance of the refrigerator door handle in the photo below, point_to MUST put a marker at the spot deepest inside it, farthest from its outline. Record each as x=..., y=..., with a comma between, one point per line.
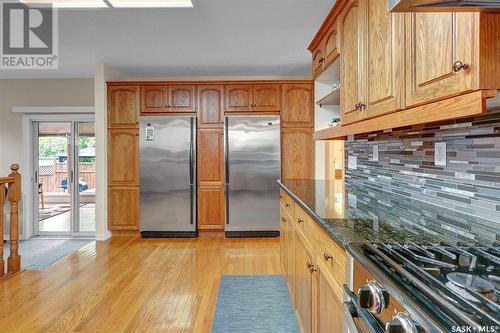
x=226, y=165
x=192, y=172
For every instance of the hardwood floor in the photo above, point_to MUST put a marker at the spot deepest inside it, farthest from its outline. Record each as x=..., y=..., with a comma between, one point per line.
x=128, y=284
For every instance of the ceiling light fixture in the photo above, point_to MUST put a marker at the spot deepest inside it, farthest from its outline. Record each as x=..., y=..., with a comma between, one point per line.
x=152, y=3
x=67, y=3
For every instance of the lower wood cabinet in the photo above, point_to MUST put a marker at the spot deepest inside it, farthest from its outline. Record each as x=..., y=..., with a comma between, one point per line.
x=314, y=267
x=123, y=208
x=211, y=208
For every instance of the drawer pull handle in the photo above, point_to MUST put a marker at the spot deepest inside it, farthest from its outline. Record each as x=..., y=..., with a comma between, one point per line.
x=287, y=205
x=327, y=256
x=311, y=267
x=300, y=220
x=283, y=220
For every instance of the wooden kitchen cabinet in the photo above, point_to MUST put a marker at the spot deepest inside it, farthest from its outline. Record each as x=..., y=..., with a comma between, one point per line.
x=210, y=105
x=123, y=106
x=154, y=98
x=257, y=97
x=123, y=157
x=238, y=97
x=297, y=153
x=211, y=208
x=123, y=208
x=210, y=156
x=298, y=105
x=182, y=98
x=351, y=63
x=318, y=60
x=266, y=97
x=384, y=62
x=327, y=307
x=303, y=284
x=330, y=44
x=168, y=98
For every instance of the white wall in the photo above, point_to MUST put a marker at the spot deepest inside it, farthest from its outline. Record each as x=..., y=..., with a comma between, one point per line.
x=33, y=92
x=103, y=74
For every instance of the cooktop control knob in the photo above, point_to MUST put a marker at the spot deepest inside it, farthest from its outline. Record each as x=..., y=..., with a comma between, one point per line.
x=373, y=297
x=403, y=323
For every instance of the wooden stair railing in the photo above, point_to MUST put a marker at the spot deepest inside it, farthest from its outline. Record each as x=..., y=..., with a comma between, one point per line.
x=10, y=188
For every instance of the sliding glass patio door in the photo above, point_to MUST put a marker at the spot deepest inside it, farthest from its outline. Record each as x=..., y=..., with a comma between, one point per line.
x=64, y=178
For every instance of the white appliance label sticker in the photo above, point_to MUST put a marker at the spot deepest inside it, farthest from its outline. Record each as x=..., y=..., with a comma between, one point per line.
x=352, y=162
x=150, y=133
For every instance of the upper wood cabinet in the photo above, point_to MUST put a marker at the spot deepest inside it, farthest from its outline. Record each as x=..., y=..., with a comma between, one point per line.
x=298, y=106
x=297, y=153
x=210, y=156
x=351, y=65
x=330, y=44
x=123, y=157
x=123, y=106
x=238, y=97
x=383, y=76
x=154, y=99
x=168, y=98
x=210, y=105
x=182, y=98
x=318, y=60
x=435, y=43
x=252, y=97
x=266, y=97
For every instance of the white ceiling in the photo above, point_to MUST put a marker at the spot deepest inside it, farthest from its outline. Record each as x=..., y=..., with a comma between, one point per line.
x=216, y=38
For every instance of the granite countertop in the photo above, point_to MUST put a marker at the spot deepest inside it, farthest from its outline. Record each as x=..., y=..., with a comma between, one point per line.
x=350, y=215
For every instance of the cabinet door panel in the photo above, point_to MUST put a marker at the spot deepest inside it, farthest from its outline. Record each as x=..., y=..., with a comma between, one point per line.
x=211, y=157
x=182, y=98
x=123, y=208
x=210, y=112
x=303, y=285
x=298, y=108
x=211, y=207
x=297, y=154
x=351, y=66
x=123, y=106
x=123, y=157
x=384, y=45
x=318, y=61
x=238, y=97
x=330, y=46
x=434, y=42
x=154, y=99
x=329, y=313
x=266, y=97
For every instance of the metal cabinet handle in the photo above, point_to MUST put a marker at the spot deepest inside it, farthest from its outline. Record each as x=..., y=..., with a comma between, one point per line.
x=327, y=256
x=321, y=60
x=458, y=66
x=362, y=106
x=356, y=107
x=300, y=221
x=283, y=220
x=287, y=205
x=311, y=267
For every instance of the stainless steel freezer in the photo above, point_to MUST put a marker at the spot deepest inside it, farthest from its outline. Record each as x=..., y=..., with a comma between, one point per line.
x=252, y=166
x=168, y=176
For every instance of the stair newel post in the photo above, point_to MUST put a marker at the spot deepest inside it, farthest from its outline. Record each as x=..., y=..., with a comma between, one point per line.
x=14, y=261
x=2, y=203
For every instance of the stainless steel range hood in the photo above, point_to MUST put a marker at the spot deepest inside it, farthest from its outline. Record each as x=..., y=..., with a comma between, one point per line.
x=443, y=5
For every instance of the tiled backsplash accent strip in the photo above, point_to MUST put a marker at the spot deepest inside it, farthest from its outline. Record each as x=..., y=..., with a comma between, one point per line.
x=469, y=184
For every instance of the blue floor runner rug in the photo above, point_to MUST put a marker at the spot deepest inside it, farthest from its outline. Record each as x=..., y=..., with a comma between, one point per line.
x=254, y=303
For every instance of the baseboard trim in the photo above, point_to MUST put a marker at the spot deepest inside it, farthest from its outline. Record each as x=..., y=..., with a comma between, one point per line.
x=103, y=237
x=169, y=234
x=252, y=234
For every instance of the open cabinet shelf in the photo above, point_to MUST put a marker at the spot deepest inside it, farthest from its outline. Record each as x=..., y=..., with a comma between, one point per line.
x=332, y=98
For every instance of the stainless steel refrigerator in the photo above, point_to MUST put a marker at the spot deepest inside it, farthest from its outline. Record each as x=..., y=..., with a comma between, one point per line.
x=168, y=176
x=252, y=166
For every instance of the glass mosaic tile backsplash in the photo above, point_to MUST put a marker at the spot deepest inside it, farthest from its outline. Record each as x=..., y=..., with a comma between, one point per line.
x=467, y=187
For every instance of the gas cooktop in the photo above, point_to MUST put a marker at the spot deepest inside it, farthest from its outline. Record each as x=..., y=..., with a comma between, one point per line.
x=456, y=285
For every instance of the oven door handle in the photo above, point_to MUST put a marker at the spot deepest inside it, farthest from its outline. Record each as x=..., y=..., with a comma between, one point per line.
x=352, y=310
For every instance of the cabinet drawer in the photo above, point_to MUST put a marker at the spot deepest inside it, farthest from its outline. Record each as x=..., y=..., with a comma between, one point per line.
x=331, y=255
x=287, y=203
